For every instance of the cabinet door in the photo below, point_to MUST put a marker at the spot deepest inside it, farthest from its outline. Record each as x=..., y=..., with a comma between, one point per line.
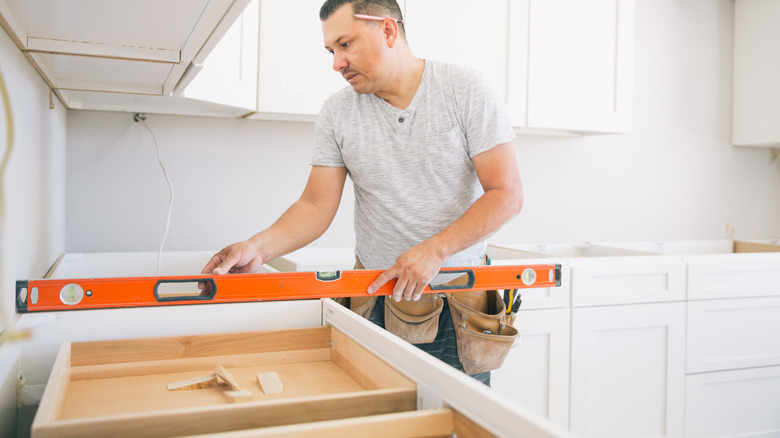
x=580, y=65
x=455, y=31
x=627, y=371
x=738, y=403
x=756, y=90
x=228, y=75
x=295, y=71
x=729, y=334
x=536, y=371
x=627, y=280
x=733, y=275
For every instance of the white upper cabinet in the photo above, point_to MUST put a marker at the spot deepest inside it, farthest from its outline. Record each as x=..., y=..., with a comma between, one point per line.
x=456, y=32
x=228, y=75
x=559, y=65
x=98, y=54
x=580, y=65
x=756, y=87
x=562, y=65
x=296, y=71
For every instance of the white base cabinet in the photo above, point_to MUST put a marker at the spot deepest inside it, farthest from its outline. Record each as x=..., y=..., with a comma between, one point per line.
x=668, y=339
x=628, y=371
x=536, y=371
x=738, y=403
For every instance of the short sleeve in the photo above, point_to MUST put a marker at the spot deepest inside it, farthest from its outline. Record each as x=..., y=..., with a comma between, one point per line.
x=327, y=151
x=486, y=122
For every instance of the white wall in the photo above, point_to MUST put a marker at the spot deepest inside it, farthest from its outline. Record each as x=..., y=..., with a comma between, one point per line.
x=675, y=177
x=33, y=234
x=231, y=179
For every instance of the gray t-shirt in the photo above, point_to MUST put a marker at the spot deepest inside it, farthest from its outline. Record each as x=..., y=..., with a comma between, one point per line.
x=411, y=169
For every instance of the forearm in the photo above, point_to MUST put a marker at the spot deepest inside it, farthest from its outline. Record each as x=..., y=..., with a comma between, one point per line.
x=303, y=222
x=489, y=213
x=416, y=267
x=300, y=225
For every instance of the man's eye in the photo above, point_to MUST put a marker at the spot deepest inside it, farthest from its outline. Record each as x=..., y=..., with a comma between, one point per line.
x=344, y=45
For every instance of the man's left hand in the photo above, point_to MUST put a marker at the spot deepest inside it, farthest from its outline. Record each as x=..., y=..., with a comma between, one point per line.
x=414, y=269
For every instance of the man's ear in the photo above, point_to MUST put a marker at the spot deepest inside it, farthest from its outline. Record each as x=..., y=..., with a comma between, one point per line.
x=390, y=28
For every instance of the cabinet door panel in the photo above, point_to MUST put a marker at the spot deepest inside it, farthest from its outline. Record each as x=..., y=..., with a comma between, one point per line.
x=626, y=280
x=756, y=90
x=728, y=334
x=295, y=73
x=457, y=32
x=536, y=372
x=229, y=73
x=580, y=65
x=733, y=275
x=627, y=375
x=736, y=403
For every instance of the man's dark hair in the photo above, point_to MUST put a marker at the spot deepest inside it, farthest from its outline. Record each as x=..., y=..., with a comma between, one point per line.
x=379, y=8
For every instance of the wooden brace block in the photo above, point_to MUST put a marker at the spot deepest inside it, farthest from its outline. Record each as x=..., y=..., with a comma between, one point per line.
x=207, y=381
x=270, y=383
x=240, y=396
x=223, y=374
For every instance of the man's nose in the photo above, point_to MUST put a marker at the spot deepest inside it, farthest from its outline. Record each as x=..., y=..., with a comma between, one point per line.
x=339, y=62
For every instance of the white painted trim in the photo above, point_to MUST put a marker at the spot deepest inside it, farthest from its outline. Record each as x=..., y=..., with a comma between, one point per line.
x=102, y=50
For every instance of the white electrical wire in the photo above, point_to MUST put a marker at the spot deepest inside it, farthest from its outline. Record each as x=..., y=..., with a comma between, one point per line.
x=142, y=119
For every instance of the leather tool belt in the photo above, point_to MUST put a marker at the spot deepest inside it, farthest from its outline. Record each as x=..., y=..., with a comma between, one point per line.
x=484, y=335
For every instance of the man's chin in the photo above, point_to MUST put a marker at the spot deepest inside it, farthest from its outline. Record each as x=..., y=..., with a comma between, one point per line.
x=361, y=88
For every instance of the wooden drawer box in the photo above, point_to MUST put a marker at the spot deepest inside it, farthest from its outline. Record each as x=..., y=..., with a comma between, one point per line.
x=119, y=388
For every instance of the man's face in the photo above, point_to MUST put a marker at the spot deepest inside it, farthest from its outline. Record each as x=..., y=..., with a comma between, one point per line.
x=357, y=47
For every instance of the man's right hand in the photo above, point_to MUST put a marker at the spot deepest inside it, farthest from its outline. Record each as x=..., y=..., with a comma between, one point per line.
x=241, y=257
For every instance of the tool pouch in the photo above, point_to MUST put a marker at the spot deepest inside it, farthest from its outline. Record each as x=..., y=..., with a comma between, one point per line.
x=416, y=322
x=363, y=306
x=484, y=336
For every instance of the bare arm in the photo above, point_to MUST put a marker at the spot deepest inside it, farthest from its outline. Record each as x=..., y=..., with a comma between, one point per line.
x=503, y=198
x=302, y=223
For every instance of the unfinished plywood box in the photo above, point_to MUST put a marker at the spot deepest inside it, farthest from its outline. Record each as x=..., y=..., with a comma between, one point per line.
x=120, y=388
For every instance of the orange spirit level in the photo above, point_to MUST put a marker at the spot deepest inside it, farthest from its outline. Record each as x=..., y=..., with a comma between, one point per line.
x=103, y=293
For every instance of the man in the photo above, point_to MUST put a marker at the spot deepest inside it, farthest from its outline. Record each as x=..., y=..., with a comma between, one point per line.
x=429, y=149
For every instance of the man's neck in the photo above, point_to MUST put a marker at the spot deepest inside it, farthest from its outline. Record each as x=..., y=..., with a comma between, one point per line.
x=405, y=84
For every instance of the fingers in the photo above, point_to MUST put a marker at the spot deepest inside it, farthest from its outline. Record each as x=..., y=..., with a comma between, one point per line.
x=227, y=263
x=410, y=291
x=230, y=259
x=215, y=260
x=418, y=291
x=398, y=291
x=407, y=287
